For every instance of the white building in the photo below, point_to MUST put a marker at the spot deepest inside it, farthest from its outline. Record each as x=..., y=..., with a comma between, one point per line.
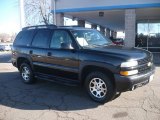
x=139, y=19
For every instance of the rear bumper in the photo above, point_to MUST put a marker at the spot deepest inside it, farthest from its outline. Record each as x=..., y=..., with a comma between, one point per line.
x=128, y=83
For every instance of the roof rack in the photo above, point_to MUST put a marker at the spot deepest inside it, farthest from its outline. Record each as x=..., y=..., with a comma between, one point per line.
x=39, y=26
x=72, y=26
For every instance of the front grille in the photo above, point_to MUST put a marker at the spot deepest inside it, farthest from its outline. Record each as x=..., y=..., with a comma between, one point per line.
x=144, y=69
x=143, y=63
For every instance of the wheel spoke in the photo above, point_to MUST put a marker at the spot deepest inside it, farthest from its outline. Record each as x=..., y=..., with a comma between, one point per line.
x=92, y=88
x=103, y=90
x=98, y=94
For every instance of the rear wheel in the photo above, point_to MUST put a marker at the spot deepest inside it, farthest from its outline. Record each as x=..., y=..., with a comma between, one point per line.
x=26, y=73
x=99, y=87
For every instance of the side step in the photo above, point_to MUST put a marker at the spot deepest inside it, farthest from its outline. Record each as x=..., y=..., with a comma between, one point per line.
x=57, y=79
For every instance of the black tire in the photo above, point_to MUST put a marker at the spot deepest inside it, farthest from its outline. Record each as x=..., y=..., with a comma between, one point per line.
x=105, y=96
x=30, y=79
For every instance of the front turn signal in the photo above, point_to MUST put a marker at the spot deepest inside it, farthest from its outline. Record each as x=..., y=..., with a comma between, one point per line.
x=126, y=73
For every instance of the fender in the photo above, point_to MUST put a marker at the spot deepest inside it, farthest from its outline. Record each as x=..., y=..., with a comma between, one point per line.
x=26, y=57
x=107, y=66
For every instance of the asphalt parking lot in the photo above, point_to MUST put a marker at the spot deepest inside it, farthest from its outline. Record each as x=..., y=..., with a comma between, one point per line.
x=49, y=101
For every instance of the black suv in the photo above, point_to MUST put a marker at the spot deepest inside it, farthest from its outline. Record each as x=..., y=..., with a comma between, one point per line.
x=76, y=55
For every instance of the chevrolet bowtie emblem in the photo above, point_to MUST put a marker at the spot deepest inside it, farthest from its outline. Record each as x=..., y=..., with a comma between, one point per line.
x=149, y=64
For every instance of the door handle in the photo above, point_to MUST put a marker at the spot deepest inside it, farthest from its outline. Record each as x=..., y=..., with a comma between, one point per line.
x=30, y=52
x=49, y=54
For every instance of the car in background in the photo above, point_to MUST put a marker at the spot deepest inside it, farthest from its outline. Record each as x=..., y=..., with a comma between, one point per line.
x=1, y=47
x=5, y=47
x=118, y=41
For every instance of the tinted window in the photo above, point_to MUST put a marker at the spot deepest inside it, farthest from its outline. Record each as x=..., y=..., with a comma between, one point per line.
x=59, y=37
x=24, y=38
x=41, y=39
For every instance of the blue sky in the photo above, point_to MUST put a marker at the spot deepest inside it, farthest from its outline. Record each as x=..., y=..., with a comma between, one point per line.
x=9, y=16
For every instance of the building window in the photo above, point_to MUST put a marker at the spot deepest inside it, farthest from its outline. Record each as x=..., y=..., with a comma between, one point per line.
x=148, y=35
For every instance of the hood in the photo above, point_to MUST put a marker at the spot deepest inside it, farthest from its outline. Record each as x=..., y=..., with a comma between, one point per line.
x=122, y=52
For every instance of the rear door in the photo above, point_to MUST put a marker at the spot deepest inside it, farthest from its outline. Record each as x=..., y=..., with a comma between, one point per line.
x=38, y=49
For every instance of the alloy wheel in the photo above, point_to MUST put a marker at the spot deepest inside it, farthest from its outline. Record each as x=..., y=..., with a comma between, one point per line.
x=98, y=87
x=25, y=73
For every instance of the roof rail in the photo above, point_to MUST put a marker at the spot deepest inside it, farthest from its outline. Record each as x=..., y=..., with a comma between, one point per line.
x=74, y=26
x=39, y=26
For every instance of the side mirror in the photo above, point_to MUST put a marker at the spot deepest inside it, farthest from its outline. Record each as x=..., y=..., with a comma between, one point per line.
x=66, y=46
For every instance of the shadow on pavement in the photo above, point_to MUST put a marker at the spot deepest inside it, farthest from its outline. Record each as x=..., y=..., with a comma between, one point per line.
x=41, y=95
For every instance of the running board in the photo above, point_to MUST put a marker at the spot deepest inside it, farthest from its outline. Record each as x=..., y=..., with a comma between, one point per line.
x=56, y=79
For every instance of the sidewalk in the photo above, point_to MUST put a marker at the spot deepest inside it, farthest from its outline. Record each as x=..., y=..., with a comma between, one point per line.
x=5, y=52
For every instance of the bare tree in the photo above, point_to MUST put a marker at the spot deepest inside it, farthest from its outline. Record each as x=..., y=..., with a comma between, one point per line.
x=4, y=37
x=37, y=12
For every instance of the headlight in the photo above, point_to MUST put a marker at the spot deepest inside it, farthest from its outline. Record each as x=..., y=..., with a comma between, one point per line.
x=129, y=64
x=131, y=72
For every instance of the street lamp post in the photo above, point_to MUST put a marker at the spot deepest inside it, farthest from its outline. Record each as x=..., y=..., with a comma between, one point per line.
x=158, y=29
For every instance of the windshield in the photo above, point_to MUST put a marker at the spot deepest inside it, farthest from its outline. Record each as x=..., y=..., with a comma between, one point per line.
x=90, y=38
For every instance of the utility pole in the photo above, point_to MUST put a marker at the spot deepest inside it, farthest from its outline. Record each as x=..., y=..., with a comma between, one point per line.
x=158, y=29
x=54, y=12
x=22, y=14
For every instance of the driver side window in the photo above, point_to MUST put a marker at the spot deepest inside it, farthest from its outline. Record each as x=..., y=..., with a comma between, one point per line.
x=61, y=39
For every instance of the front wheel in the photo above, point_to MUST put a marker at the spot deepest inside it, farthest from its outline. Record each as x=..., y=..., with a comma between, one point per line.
x=26, y=73
x=99, y=87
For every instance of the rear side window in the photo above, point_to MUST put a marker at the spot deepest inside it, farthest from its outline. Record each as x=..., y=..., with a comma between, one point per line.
x=41, y=39
x=24, y=38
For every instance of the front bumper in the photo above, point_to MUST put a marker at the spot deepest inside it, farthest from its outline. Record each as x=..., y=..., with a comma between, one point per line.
x=127, y=83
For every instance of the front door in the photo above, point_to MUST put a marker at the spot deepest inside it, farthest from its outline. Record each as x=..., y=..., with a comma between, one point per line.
x=62, y=60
